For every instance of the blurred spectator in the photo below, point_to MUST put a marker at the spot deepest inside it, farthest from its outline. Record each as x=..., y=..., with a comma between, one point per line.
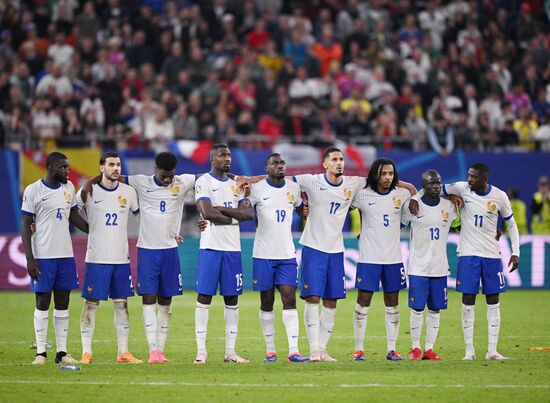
x=159, y=127
x=55, y=84
x=71, y=123
x=327, y=50
x=507, y=136
x=519, y=210
x=441, y=136
x=526, y=128
x=46, y=122
x=61, y=52
x=185, y=126
x=540, y=208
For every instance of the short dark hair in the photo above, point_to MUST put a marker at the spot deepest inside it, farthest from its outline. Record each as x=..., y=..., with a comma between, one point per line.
x=481, y=168
x=53, y=157
x=271, y=156
x=166, y=161
x=330, y=150
x=372, y=178
x=108, y=154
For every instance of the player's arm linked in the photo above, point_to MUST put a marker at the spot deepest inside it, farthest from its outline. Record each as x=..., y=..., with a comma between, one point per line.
x=88, y=188
x=32, y=265
x=78, y=221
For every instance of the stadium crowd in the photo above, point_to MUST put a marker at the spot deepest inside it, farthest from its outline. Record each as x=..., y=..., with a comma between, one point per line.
x=418, y=75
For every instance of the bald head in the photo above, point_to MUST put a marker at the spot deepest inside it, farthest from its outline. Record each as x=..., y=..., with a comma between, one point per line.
x=431, y=183
x=430, y=175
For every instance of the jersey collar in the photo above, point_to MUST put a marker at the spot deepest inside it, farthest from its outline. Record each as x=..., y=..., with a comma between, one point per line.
x=332, y=184
x=489, y=187
x=107, y=189
x=275, y=186
x=218, y=179
x=48, y=186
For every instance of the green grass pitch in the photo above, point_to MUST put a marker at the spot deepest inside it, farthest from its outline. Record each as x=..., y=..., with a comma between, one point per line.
x=525, y=323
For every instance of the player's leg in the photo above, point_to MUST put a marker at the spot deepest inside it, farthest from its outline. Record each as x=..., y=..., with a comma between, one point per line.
x=367, y=280
x=264, y=281
x=87, y=328
x=314, y=279
x=41, y=324
x=164, y=319
x=393, y=280
x=418, y=297
x=492, y=278
x=65, y=280
x=208, y=272
x=231, y=286
x=437, y=300
x=120, y=289
x=467, y=282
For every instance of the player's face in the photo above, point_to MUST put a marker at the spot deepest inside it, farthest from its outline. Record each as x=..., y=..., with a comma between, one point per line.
x=385, y=176
x=221, y=159
x=165, y=177
x=334, y=163
x=60, y=171
x=276, y=167
x=432, y=186
x=111, y=168
x=476, y=180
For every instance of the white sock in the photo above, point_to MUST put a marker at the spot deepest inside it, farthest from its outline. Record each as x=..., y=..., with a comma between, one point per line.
x=201, y=325
x=468, y=317
x=163, y=324
x=417, y=319
x=267, y=320
x=231, y=316
x=432, y=328
x=40, y=330
x=360, y=325
x=150, y=325
x=87, y=325
x=326, y=324
x=493, y=321
x=122, y=324
x=61, y=326
x=392, y=326
x=292, y=326
x=311, y=318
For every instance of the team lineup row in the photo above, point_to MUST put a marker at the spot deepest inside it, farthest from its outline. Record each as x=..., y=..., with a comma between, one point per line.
x=102, y=207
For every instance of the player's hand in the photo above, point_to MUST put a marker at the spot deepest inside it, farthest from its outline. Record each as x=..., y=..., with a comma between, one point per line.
x=514, y=262
x=305, y=210
x=180, y=239
x=242, y=181
x=87, y=190
x=33, y=269
x=244, y=204
x=33, y=227
x=498, y=235
x=245, y=189
x=457, y=201
x=202, y=223
x=413, y=206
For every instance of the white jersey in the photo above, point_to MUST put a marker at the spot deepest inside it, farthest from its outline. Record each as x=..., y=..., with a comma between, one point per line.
x=107, y=215
x=429, y=231
x=479, y=218
x=380, y=239
x=274, y=210
x=223, y=193
x=161, y=209
x=328, y=208
x=51, y=208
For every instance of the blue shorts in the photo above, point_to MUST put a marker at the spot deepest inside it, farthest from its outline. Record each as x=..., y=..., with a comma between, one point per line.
x=56, y=275
x=322, y=274
x=427, y=290
x=472, y=269
x=219, y=267
x=159, y=272
x=269, y=273
x=107, y=280
x=369, y=276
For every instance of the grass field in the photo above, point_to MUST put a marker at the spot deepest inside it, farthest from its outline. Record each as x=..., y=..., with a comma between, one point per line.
x=525, y=323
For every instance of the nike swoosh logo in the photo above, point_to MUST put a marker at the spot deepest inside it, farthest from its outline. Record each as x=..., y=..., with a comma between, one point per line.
x=370, y=204
x=231, y=332
x=150, y=190
x=420, y=216
x=45, y=198
x=148, y=325
x=200, y=332
x=97, y=201
x=267, y=198
x=310, y=325
x=323, y=188
x=39, y=330
x=239, y=289
x=467, y=201
x=215, y=190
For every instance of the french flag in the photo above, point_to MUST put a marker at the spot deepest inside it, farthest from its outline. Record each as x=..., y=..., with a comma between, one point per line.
x=197, y=151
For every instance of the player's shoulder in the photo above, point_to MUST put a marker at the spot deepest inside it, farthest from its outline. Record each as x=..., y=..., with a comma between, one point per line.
x=139, y=180
x=402, y=192
x=185, y=178
x=32, y=187
x=69, y=186
x=444, y=203
x=292, y=186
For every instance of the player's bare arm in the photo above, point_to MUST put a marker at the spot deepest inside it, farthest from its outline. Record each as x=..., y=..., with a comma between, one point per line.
x=239, y=214
x=26, y=233
x=210, y=213
x=88, y=188
x=78, y=221
x=406, y=185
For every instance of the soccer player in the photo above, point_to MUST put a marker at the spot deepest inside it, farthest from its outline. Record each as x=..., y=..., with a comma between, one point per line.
x=380, y=204
x=479, y=252
x=274, y=255
x=107, y=259
x=50, y=204
x=219, y=261
x=428, y=264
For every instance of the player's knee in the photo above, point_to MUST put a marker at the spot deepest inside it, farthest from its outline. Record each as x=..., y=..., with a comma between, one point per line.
x=492, y=299
x=391, y=299
x=469, y=299
x=61, y=300
x=329, y=303
x=312, y=299
x=149, y=299
x=164, y=300
x=364, y=298
x=418, y=310
x=289, y=301
x=204, y=299
x=231, y=301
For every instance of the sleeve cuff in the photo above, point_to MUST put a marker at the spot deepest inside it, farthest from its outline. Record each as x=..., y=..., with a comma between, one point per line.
x=74, y=207
x=203, y=198
x=136, y=212
x=244, y=199
x=444, y=190
x=27, y=213
x=507, y=218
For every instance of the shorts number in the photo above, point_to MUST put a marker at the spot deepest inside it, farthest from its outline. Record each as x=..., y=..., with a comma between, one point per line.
x=180, y=280
x=162, y=206
x=403, y=278
x=111, y=219
x=130, y=279
x=386, y=220
x=239, y=278
x=333, y=207
x=478, y=221
x=445, y=293
x=434, y=232
x=501, y=279
x=59, y=216
x=281, y=214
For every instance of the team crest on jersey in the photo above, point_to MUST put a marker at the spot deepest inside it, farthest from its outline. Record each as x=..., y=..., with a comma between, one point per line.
x=290, y=197
x=396, y=201
x=236, y=191
x=122, y=201
x=491, y=207
x=68, y=197
x=445, y=215
x=90, y=289
x=174, y=189
x=347, y=194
